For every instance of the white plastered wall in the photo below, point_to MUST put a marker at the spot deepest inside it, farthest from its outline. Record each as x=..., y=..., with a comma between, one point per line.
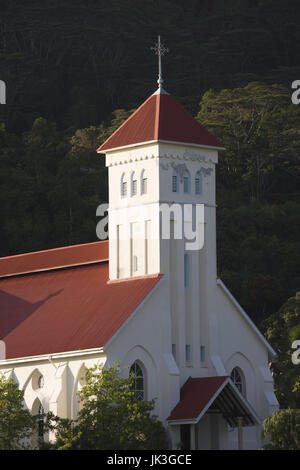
x=61, y=381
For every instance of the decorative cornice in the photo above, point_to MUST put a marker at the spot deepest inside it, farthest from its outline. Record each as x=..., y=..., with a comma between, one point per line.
x=185, y=157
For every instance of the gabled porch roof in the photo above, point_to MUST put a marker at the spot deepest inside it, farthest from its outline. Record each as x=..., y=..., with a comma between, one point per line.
x=212, y=394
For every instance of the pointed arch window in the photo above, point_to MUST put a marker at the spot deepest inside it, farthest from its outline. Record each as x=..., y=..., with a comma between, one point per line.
x=123, y=186
x=238, y=379
x=133, y=184
x=186, y=182
x=144, y=182
x=198, y=182
x=139, y=380
x=39, y=412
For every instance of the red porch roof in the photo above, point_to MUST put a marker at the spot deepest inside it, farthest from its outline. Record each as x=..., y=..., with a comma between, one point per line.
x=195, y=394
x=160, y=118
x=66, y=307
x=219, y=394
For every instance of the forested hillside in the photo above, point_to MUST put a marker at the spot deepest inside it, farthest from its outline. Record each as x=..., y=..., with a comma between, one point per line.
x=75, y=70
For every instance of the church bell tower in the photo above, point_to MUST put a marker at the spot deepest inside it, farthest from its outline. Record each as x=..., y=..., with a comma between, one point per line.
x=161, y=165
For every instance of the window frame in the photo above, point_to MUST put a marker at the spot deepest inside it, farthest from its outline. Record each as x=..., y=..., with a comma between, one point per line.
x=239, y=382
x=138, y=391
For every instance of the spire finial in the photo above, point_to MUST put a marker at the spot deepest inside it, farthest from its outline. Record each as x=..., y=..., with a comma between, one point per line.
x=160, y=50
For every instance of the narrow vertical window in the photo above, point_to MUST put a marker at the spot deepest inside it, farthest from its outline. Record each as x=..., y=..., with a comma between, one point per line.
x=143, y=183
x=123, y=186
x=175, y=183
x=202, y=354
x=198, y=183
x=135, y=263
x=186, y=182
x=186, y=271
x=174, y=351
x=133, y=184
x=188, y=353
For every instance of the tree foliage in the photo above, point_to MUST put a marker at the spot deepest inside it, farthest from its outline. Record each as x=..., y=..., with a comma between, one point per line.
x=282, y=329
x=111, y=418
x=257, y=193
x=73, y=62
x=16, y=423
x=282, y=429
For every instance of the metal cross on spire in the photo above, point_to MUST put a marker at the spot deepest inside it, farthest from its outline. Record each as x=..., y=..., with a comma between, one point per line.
x=160, y=50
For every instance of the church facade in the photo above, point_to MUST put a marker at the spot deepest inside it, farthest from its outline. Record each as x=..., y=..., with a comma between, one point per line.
x=149, y=298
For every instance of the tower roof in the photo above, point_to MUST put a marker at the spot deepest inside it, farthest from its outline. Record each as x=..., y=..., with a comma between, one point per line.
x=160, y=118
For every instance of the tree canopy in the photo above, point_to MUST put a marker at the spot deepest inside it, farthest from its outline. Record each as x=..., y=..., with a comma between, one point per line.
x=110, y=417
x=16, y=423
x=282, y=430
x=282, y=329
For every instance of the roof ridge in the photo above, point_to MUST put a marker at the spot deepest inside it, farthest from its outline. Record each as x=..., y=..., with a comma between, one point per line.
x=157, y=116
x=50, y=250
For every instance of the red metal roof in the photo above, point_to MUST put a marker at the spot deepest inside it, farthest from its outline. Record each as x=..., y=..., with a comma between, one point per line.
x=69, y=309
x=54, y=258
x=160, y=117
x=195, y=395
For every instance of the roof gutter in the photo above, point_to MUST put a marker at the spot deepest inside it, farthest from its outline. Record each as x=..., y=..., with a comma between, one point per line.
x=51, y=357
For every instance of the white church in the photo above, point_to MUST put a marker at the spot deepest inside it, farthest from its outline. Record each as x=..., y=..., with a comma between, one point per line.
x=149, y=298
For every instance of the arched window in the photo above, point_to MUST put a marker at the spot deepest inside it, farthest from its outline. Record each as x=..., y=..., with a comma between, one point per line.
x=139, y=380
x=175, y=186
x=37, y=380
x=39, y=413
x=237, y=378
x=186, y=182
x=198, y=183
x=123, y=186
x=133, y=184
x=143, y=182
x=40, y=381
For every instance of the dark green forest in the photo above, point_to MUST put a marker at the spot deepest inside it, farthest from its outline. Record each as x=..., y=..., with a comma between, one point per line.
x=75, y=70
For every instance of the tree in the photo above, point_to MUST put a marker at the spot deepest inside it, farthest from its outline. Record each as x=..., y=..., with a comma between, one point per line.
x=16, y=423
x=281, y=330
x=282, y=429
x=260, y=129
x=111, y=418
